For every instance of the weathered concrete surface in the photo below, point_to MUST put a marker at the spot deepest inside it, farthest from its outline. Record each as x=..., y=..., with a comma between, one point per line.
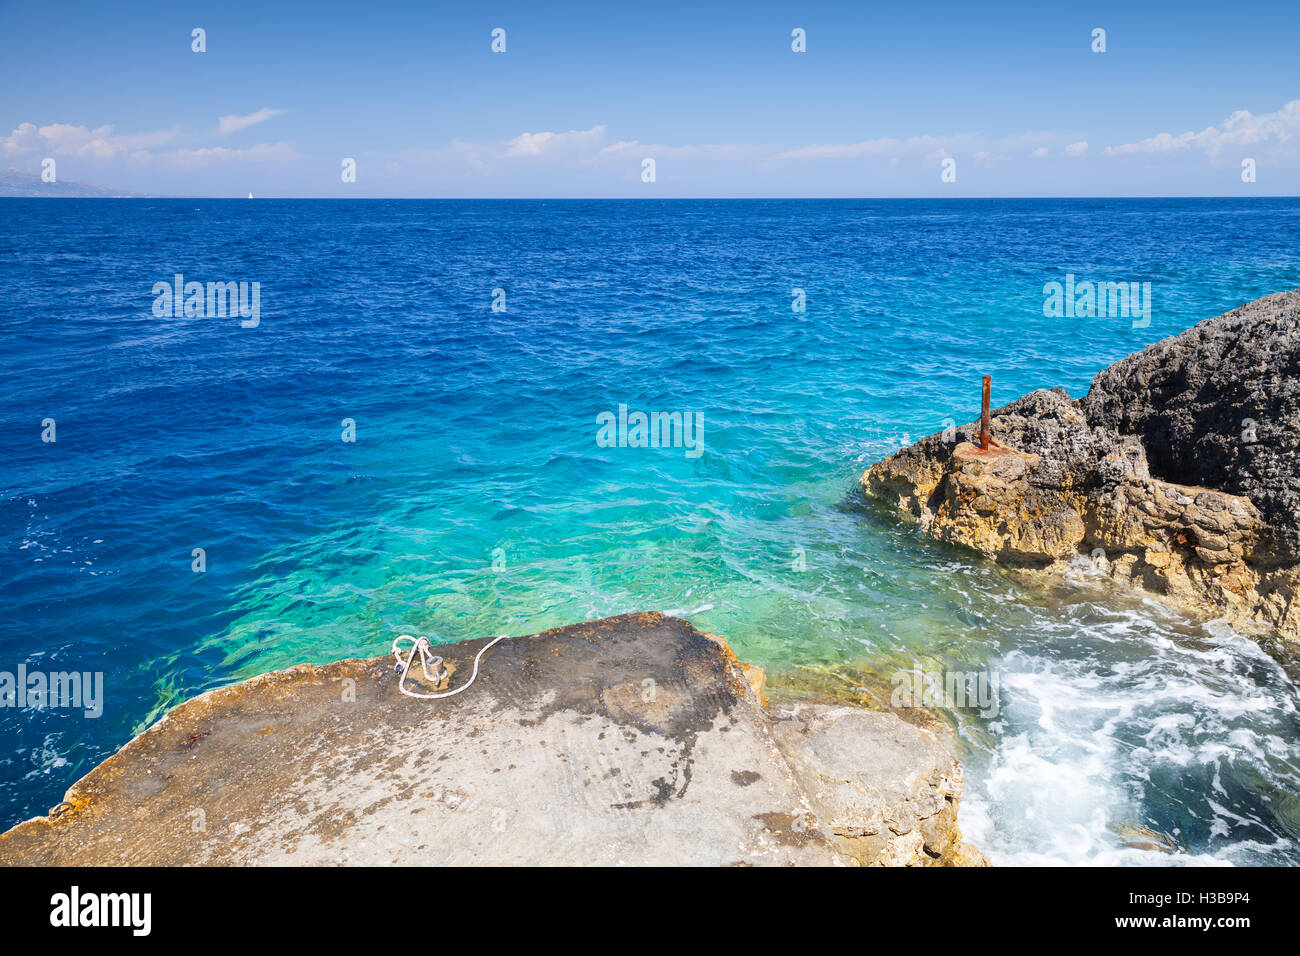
x=887, y=796
x=1178, y=473
x=631, y=740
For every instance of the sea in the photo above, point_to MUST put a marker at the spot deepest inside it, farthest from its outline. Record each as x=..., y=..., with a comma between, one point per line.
x=407, y=430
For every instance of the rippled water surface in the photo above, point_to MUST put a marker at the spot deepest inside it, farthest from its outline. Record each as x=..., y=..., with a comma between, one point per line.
x=476, y=499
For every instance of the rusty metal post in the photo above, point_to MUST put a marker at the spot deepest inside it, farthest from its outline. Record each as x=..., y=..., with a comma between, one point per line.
x=984, y=415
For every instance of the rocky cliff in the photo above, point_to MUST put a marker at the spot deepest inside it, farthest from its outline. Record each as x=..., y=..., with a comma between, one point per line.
x=1178, y=473
x=631, y=740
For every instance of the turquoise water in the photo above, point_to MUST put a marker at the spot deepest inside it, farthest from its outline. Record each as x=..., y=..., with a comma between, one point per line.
x=477, y=500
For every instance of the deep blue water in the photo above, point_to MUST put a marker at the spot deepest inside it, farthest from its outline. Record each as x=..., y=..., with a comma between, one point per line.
x=476, y=499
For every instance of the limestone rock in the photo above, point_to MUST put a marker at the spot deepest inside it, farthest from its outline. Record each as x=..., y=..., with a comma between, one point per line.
x=1219, y=406
x=629, y=740
x=1178, y=472
x=887, y=793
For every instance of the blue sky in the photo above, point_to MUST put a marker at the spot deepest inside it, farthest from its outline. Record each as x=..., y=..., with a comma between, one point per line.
x=712, y=92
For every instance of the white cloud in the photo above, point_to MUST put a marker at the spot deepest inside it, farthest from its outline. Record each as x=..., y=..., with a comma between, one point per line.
x=63, y=139
x=1240, y=130
x=209, y=155
x=1039, y=153
x=1076, y=149
x=136, y=149
x=591, y=148
x=883, y=146
x=703, y=152
x=574, y=149
x=234, y=123
x=984, y=150
x=986, y=159
x=498, y=157
x=547, y=143
x=1161, y=143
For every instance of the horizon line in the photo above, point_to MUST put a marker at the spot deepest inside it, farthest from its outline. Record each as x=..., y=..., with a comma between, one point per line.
x=647, y=198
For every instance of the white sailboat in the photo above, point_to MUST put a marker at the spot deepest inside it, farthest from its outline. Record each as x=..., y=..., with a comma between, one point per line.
x=250, y=195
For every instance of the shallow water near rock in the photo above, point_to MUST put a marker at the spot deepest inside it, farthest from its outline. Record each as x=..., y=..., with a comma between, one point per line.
x=476, y=500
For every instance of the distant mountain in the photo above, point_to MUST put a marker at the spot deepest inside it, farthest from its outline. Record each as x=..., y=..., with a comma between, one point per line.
x=15, y=182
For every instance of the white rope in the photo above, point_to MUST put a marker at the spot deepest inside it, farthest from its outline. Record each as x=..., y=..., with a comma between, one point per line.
x=421, y=646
